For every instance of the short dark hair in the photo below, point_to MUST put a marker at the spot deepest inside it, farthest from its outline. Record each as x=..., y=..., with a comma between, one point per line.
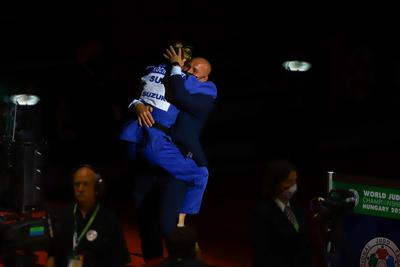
x=181, y=242
x=275, y=172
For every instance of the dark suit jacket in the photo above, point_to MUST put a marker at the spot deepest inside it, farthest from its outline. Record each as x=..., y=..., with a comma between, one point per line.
x=274, y=240
x=194, y=112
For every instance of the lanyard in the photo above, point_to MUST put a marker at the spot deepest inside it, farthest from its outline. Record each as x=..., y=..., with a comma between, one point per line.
x=77, y=239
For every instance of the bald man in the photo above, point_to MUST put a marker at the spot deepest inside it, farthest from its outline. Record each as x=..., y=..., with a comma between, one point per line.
x=172, y=133
x=86, y=233
x=85, y=190
x=183, y=157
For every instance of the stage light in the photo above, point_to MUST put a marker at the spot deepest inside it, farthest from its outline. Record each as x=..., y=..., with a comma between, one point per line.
x=296, y=65
x=24, y=116
x=25, y=100
x=23, y=146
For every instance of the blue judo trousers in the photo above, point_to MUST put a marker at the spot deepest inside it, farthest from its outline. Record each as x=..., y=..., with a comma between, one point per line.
x=157, y=147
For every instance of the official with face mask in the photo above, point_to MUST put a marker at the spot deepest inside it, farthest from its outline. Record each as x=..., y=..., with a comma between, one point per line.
x=278, y=234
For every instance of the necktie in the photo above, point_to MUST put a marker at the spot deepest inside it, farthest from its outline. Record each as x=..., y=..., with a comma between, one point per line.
x=292, y=218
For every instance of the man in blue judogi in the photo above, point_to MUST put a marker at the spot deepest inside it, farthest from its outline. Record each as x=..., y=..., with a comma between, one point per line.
x=159, y=148
x=175, y=124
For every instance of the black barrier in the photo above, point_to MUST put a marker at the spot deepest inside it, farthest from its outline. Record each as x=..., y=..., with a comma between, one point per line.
x=22, y=184
x=24, y=224
x=21, y=234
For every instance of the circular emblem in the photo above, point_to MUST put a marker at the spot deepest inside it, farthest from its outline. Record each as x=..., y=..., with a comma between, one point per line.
x=380, y=252
x=356, y=196
x=91, y=235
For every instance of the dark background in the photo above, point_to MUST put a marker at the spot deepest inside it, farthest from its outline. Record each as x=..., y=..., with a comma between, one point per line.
x=84, y=61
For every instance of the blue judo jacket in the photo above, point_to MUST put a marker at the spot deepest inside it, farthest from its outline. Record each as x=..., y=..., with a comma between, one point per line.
x=194, y=100
x=157, y=147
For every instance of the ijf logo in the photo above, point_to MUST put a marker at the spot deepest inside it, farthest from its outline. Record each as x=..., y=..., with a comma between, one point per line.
x=356, y=196
x=380, y=252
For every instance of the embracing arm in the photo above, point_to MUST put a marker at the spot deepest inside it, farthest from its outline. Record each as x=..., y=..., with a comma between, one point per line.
x=191, y=103
x=143, y=113
x=190, y=94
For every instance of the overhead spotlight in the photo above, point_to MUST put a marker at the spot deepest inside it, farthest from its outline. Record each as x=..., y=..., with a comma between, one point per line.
x=296, y=65
x=25, y=100
x=25, y=119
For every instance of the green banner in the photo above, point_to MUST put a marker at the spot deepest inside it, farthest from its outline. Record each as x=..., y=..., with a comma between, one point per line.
x=373, y=200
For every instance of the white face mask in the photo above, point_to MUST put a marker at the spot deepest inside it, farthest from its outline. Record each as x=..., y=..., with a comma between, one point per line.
x=288, y=194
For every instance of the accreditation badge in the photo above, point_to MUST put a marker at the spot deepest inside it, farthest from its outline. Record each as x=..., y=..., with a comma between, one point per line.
x=91, y=235
x=75, y=261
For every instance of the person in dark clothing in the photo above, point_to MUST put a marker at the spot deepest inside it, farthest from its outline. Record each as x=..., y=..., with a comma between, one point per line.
x=194, y=97
x=181, y=247
x=86, y=233
x=278, y=235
